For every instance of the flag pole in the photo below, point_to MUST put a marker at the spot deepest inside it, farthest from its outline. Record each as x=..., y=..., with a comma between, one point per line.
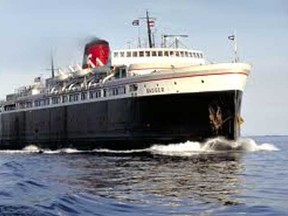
x=136, y=22
x=235, y=47
x=139, y=39
x=150, y=22
x=233, y=38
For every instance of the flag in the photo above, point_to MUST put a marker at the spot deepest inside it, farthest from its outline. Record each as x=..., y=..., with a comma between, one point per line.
x=135, y=22
x=231, y=37
x=151, y=23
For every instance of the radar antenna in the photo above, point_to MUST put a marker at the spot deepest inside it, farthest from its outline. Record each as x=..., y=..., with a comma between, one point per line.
x=176, y=42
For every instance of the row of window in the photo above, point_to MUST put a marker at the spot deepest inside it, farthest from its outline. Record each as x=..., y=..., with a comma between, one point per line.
x=72, y=97
x=159, y=53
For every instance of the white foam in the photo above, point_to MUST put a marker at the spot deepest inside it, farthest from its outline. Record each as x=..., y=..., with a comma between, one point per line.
x=12, y=151
x=31, y=149
x=249, y=145
x=215, y=145
x=188, y=148
x=27, y=150
x=34, y=149
x=63, y=151
x=120, y=151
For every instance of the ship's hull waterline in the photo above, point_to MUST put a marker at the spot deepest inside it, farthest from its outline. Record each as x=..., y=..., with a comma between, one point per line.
x=127, y=123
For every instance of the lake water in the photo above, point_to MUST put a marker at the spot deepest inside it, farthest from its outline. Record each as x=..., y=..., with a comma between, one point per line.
x=249, y=177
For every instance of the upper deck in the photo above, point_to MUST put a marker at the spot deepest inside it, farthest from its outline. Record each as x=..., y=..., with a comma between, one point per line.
x=157, y=55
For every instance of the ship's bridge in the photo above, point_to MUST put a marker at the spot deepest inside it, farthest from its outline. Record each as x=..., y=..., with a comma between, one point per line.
x=173, y=56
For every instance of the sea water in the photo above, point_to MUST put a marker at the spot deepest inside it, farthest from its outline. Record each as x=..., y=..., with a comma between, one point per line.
x=217, y=177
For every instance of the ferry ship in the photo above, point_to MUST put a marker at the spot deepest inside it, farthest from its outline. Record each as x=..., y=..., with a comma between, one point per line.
x=126, y=99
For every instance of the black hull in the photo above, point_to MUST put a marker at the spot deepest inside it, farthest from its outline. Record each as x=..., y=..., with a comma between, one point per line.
x=136, y=122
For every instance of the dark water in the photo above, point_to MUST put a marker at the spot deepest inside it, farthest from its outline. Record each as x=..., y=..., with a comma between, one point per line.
x=216, y=178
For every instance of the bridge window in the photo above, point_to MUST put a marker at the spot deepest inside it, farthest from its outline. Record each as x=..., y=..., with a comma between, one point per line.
x=95, y=94
x=123, y=72
x=160, y=53
x=128, y=54
x=73, y=97
x=113, y=91
x=172, y=53
x=147, y=53
x=135, y=54
x=190, y=54
x=166, y=53
x=10, y=107
x=83, y=95
x=122, y=90
x=186, y=54
x=133, y=87
x=91, y=94
x=116, y=54
x=55, y=100
x=141, y=53
x=98, y=94
x=122, y=54
x=64, y=99
x=177, y=53
x=29, y=104
x=21, y=105
x=154, y=53
x=47, y=101
x=36, y=103
x=182, y=54
x=42, y=102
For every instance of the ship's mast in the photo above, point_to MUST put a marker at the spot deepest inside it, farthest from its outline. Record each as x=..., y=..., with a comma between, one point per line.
x=149, y=30
x=52, y=66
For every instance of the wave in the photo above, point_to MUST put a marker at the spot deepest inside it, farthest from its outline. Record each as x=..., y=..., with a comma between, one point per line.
x=188, y=148
x=35, y=149
x=249, y=145
x=25, y=150
x=120, y=151
x=215, y=145
x=63, y=151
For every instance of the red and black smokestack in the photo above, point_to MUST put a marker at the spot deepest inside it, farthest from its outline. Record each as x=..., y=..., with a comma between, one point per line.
x=96, y=53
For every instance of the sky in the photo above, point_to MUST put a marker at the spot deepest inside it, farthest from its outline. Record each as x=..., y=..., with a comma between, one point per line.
x=30, y=30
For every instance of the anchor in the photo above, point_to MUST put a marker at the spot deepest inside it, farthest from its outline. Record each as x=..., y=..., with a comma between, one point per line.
x=215, y=116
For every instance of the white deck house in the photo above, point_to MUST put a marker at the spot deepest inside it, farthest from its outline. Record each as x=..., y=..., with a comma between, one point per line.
x=144, y=60
x=157, y=55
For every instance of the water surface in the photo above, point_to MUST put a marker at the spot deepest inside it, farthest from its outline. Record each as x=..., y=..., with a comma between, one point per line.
x=212, y=178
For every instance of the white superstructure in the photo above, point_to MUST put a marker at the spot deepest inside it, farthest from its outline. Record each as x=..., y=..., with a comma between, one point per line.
x=157, y=55
x=144, y=60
